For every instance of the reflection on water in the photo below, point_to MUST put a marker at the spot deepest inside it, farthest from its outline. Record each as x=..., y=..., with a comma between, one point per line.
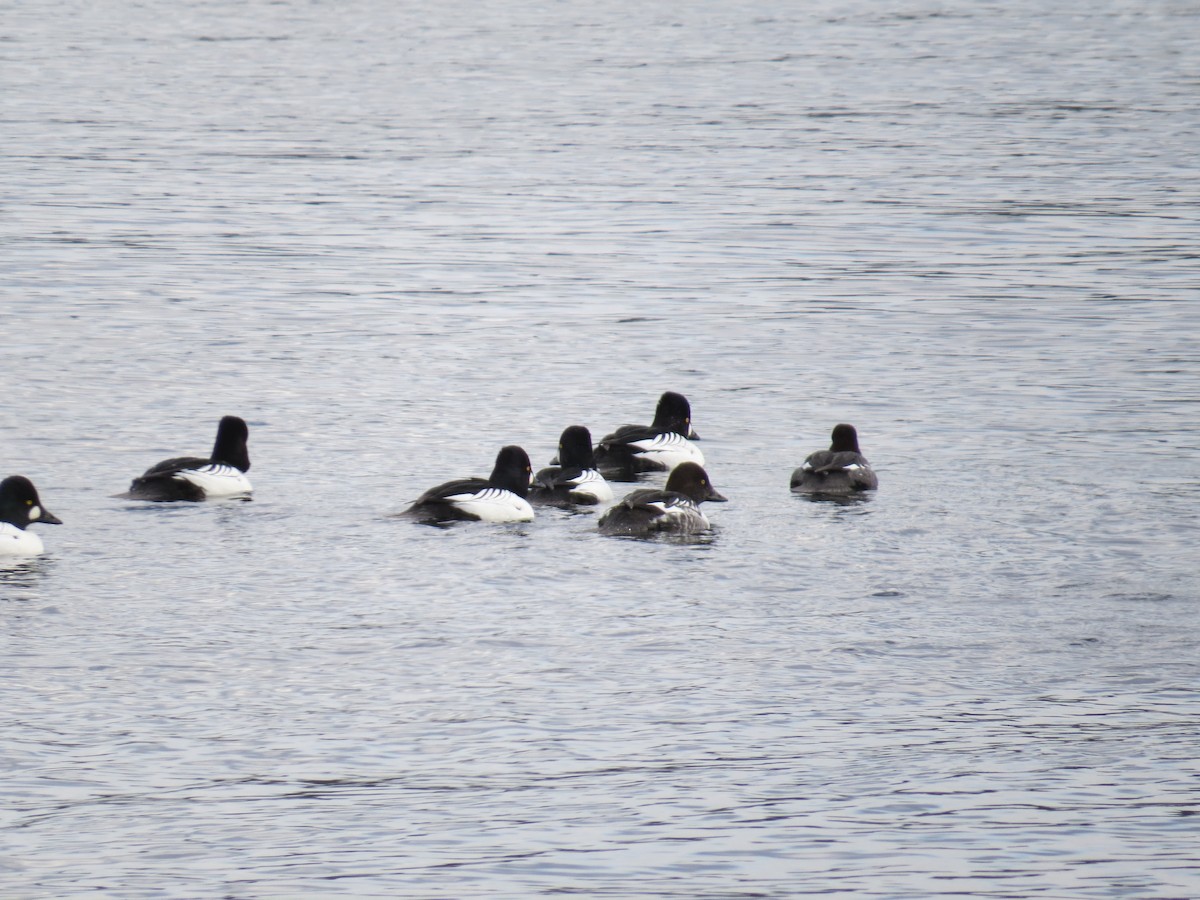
x=856, y=502
x=19, y=574
x=398, y=239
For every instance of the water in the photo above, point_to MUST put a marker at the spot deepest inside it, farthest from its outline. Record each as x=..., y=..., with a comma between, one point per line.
x=394, y=238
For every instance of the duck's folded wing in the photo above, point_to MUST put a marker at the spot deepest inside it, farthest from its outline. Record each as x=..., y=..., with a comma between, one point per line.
x=178, y=464
x=553, y=477
x=648, y=511
x=627, y=434
x=188, y=478
x=845, y=460
x=454, y=490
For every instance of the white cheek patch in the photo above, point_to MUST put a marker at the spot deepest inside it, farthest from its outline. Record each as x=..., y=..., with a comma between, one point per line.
x=35, y=513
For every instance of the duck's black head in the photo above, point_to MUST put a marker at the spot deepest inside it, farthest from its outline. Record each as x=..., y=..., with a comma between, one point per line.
x=673, y=413
x=230, y=446
x=512, y=471
x=844, y=438
x=575, y=448
x=691, y=480
x=20, y=504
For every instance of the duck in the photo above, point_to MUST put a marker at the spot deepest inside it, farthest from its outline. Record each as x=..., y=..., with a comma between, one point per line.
x=20, y=507
x=574, y=480
x=658, y=447
x=842, y=469
x=675, y=508
x=498, y=498
x=222, y=475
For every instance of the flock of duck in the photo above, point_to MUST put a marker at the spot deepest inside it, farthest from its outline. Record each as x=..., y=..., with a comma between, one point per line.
x=579, y=475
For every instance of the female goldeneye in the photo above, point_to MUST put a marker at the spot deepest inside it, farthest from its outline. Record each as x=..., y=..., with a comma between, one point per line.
x=191, y=478
x=676, y=508
x=659, y=447
x=574, y=479
x=20, y=507
x=498, y=498
x=842, y=469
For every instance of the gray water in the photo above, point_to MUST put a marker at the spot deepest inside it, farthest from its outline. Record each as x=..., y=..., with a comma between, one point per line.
x=396, y=236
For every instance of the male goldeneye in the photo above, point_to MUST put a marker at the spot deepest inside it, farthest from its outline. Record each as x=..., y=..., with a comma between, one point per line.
x=676, y=508
x=20, y=507
x=498, y=498
x=842, y=469
x=192, y=478
x=574, y=479
x=659, y=447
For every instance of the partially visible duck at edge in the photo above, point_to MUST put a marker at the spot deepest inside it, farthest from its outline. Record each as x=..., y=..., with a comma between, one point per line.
x=221, y=475
x=840, y=470
x=658, y=447
x=575, y=479
x=498, y=498
x=674, y=509
x=20, y=507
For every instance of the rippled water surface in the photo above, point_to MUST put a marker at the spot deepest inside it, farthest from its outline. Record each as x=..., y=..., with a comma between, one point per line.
x=396, y=236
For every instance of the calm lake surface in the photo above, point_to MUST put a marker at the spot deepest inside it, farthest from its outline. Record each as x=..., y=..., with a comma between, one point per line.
x=396, y=236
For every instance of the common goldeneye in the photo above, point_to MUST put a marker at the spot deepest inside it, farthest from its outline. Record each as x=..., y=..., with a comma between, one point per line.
x=676, y=508
x=498, y=498
x=842, y=469
x=658, y=447
x=192, y=478
x=20, y=507
x=574, y=479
